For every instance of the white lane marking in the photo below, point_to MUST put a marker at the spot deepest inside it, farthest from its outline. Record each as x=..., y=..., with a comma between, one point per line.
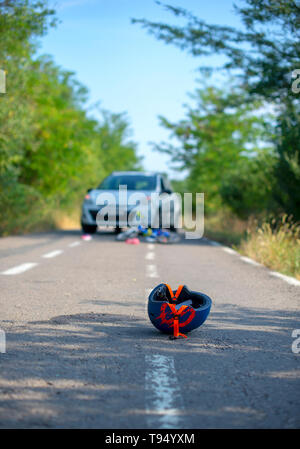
x=151, y=271
x=229, y=250
x=71, y=245
x=52, y=254
x=2, y=341
x=150, y=246
x=252, y=262
x=290, y=280
x=150, y=256
x=164, y=402
x=20, y=268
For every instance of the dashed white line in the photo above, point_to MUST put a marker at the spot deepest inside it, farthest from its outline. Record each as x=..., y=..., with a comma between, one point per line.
x=27, y=266
x=150, y=246
x=71, y=245
x=151, y=271
x=2, y=341
x=52, y=254
x=164, y=403
x=252, y=262
x=19, y=268
x=290, y=280
x=229, y=250
x=150, y=256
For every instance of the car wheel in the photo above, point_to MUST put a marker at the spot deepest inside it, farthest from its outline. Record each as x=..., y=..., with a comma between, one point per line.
x=88, y=229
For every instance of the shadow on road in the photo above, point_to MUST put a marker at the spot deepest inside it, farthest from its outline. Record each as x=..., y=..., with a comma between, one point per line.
x=88, y=370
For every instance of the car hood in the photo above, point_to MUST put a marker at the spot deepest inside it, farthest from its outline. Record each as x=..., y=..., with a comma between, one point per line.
x=95, y=193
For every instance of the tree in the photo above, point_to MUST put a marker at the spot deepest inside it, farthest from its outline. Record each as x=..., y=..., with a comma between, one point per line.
x=263, y=56
x=21, y=22
x=218, y=135
x=51, y=149
x=247, y=189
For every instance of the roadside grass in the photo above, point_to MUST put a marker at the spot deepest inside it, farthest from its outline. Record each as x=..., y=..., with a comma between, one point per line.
x=67, y=220
x=36, y=215
x=275, y=244
x=28, y=213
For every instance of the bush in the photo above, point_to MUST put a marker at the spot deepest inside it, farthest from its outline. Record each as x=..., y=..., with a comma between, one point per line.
x=275, y=244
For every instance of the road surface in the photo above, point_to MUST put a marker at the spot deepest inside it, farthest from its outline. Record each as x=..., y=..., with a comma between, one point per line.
x=81, y=352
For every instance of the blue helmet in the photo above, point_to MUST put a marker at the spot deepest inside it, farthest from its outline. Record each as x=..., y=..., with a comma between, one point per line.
x=170, y=311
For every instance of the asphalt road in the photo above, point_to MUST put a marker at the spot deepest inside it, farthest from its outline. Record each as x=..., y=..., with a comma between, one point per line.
x=81, y=352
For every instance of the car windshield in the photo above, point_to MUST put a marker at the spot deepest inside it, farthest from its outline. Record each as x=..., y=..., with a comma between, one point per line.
x=133, y=182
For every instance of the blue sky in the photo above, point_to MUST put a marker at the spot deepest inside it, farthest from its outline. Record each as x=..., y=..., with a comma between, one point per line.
x=125, y=68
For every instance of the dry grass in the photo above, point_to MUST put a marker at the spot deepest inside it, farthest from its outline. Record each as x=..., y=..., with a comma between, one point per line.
x=275, y=246
x=67, y=221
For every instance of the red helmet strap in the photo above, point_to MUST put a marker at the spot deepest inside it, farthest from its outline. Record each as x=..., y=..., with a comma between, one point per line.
x=177, y=314
x=178, y=291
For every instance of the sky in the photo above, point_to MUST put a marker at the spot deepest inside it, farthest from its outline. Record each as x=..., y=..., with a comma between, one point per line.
x=128, y=70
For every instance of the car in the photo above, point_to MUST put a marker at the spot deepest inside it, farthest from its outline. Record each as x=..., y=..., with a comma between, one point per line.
x=148, y=196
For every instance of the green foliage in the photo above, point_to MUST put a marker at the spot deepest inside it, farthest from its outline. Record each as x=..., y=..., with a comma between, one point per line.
x=20, y=22
x=219, y=141
x=247, y=189
x=287, y=169
x=275, y=244
x=118, y=150
x=265, y=51
x=262, y=55
x=51, y=151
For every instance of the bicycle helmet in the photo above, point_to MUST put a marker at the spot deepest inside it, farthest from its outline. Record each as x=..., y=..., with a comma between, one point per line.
x=170, y=311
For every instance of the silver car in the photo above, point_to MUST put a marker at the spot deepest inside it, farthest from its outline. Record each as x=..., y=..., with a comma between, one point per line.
x=126, y=196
